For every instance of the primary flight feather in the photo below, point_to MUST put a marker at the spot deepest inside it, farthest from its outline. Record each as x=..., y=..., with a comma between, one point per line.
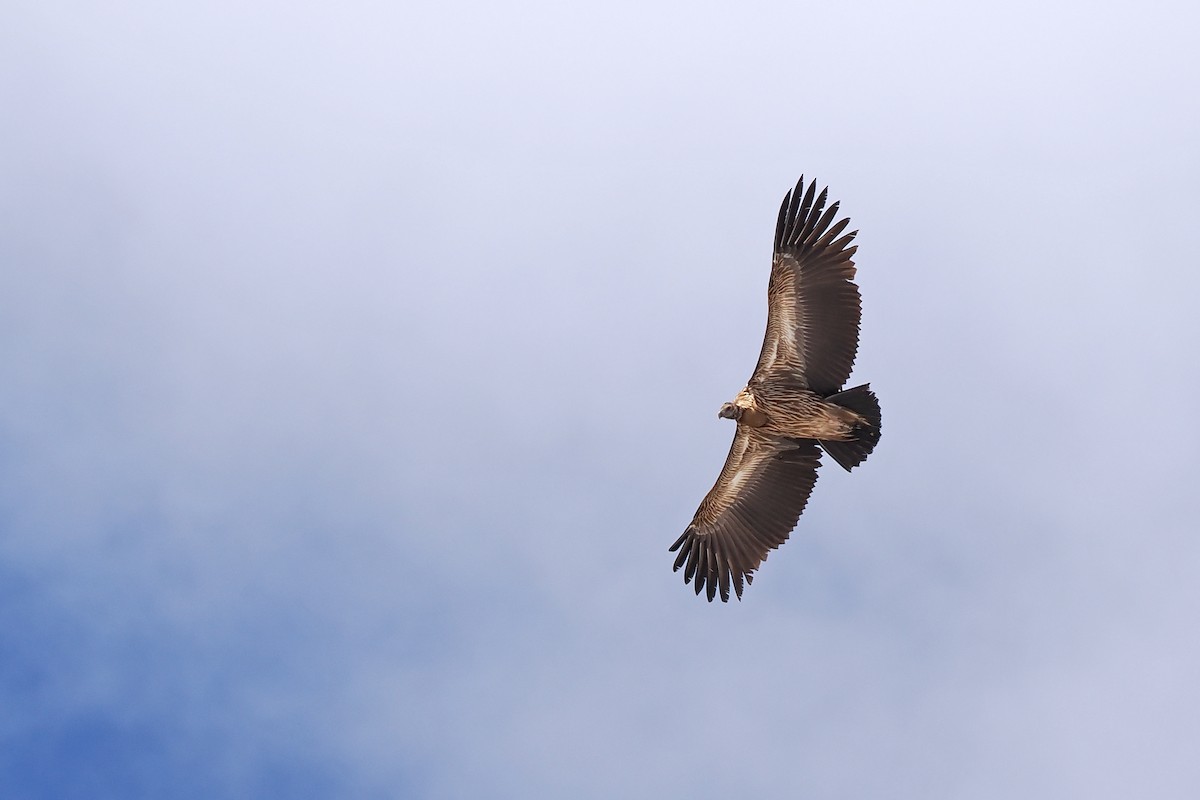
x=792, y=408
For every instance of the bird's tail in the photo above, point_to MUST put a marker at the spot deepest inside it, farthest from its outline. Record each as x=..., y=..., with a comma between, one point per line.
x=852, y=452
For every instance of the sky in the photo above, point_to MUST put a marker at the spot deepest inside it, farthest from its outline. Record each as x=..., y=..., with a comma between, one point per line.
x=359, y=363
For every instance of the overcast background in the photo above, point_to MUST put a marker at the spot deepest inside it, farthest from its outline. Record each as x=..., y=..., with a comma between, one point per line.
x=359, y=362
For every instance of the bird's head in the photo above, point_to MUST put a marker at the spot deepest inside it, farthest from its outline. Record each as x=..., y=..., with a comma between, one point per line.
x=730, y=411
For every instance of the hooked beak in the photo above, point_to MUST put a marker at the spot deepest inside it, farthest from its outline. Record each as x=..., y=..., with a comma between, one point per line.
x=728, y=411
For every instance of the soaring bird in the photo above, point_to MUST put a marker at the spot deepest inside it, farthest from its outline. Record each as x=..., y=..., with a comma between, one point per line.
x=794, y=405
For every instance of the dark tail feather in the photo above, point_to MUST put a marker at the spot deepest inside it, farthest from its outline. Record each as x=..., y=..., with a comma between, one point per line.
x=861, y=400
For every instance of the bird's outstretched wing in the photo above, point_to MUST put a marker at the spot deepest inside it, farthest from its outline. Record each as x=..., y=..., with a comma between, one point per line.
x=751, y=510
x=813, y=303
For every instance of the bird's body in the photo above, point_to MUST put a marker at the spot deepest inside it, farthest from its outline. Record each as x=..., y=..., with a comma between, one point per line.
x=792, y=408
x=775, y=411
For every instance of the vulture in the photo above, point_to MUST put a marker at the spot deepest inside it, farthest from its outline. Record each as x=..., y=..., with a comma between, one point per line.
x=794, y=406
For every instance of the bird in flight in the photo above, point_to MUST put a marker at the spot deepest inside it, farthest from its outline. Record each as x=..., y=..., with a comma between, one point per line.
x=792, y=408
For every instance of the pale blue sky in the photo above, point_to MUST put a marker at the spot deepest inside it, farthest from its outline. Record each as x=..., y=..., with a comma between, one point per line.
x=359, y=362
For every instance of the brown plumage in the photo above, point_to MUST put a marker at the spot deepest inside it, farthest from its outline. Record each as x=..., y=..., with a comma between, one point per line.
x=792, y=407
